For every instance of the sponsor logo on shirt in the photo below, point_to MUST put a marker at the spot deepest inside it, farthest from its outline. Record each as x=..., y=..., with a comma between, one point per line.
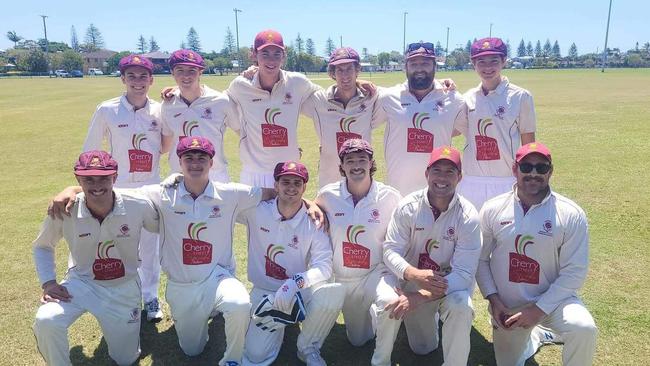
x=195, y=250
x=215, y=212
x=139, y=160
x=294, y=242
x=523, y=269
x=355, y=255
x=264, y=229
x=207, y=113
x=374, y=216
x=272, y=268
x=188, y=128
x=256, y=100
x=339, y=214
x=331, y=109
x=123, y=125
x=272, y=134
x=424, y=260
x=405, y=104
x=504, y=223
x=487, y=148
x=179, y=212
x=287, y=99
x=501, y=110
x=84, y=235
x=107, y=268
x=547, y=228
x=419, y=228
x=178, y=114
x=419, y=140
x=345, y=133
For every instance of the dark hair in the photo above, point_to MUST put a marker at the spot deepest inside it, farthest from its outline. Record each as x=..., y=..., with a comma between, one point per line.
x=373, y=168
x=332, y=68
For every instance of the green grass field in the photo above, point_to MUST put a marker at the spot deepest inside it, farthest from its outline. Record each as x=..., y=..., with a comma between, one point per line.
x=596, y=124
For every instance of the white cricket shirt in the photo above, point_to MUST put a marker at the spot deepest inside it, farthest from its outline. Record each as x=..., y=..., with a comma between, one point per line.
x=106, y=252
x=207, y=116
x=279, y=249
x=451, y=244
x=540, y=257
x=334, y=124
x=413, y=129
x=196, y=234
x=357, y=232
x=269, y=121
x=133, y=136
x=493, y=126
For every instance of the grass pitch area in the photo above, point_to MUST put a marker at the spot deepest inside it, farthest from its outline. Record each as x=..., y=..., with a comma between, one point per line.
x=596, y=124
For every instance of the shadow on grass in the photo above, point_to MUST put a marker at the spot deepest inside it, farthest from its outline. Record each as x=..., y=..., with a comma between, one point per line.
x=164, y=349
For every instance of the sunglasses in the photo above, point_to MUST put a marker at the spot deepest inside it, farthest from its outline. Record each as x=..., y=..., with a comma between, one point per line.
x=540, y=168
x=416, y=46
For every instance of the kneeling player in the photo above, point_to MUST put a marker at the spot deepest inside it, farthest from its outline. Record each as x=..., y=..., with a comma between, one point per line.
x=289, y=256
x=102, y=234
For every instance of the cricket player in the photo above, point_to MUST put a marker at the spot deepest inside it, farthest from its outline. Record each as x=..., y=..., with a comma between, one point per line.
x=498, y=118
x=533, y=262
x=196, y=110
x=102, y=233
x=359, y=210
x=131, y=126
x=433, y=244
x=420, y=115
x=288, y=254
x=342, y=111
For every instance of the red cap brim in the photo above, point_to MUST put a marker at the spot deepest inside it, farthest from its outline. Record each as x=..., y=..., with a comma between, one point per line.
x=95, y=172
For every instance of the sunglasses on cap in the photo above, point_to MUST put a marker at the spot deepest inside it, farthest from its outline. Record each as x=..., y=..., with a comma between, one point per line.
x=540, y=168
x=416, y=46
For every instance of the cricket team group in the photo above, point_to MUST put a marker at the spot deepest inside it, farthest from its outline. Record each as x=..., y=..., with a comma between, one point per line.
x=409, y=250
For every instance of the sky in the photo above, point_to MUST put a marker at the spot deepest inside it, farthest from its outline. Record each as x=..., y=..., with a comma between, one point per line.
x=376, y=25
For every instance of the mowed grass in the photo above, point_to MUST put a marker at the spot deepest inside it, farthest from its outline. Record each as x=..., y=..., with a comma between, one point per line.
x=596, y=124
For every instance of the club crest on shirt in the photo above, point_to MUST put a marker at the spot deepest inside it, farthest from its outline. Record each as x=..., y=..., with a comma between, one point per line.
x=362, y=107
x=215, y=212
x=440, y=105
x=272, y=268
x=523, y=269
x=134, y=315
x=153, y=126
x=294, y=242
x=450, y=234
x=374, y=216
x=124, y=231
x=501, y=111
x=287, y=98
x=207, y=113
x=547, y=228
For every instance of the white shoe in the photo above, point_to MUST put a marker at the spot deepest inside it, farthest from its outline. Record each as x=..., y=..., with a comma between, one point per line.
x=154, y=313
x=311, y=356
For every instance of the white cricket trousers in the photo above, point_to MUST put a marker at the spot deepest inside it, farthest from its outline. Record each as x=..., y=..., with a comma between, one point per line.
x=322, y=304
x=456, y=313
x=477, y=190
x=571, y=320
x=364, y=314
x=264, y=180
x=192, y=305
x=116, y=308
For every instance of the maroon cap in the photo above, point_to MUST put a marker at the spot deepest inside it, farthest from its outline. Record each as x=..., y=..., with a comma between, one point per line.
x=186, y=57
x=444, y=153
x=95, y=162
x=291, y=168
x=194, y=143
x=422, y=49
x=488, y=46
x=135, y=60
x=533, y=148
x=355, y=145
x=267, y=38
x=344, y=55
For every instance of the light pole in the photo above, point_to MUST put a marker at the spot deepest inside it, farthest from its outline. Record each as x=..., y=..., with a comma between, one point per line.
x=341, y=41
x=237, y=35
x=47, y=43
x=606, y=35
x=404, y=40
x=490, y=30
x=447, y=45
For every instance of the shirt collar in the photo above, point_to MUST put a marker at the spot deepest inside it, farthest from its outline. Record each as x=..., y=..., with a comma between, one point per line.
x=331, y=90
x=371, y=195
x=500, y=89
x=84, y=213
x=437, y=88
x=548, y=196
x=295, y=220
x=129, y=106
x=209, y=191
x=283, y=80
x=454, y=201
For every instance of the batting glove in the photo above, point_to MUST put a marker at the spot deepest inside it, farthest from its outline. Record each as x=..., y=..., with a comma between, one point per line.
x=284, y=296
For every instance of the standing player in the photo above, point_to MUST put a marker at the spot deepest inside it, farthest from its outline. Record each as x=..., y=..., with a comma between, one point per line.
x=500, y=117
x=534, y=261
x=433, y=243
x=359, y=209
x=288, y=254
x=131, y=126
x=341, y=112
x=268, y=106
x=420, y=115
x=196, y=110
x=102, y=235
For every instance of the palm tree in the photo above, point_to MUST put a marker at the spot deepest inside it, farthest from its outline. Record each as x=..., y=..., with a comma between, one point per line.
x=14, y=37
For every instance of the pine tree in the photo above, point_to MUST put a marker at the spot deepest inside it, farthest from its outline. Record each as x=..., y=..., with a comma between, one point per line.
x=547, y=48
x=229, y=42
x=556, y=50
x=142, y=44
x=439, y=50
x=521, y=50
x=538, y=49
x=529, y=49
x=364, y=54
x=300, y=45
x=573, y=51
x=74, y=41
x=468, y=46
x=153, y=45
x=508, y=49
x=329, y=46
x=193, y=42
x=93, y=40
x=309, y=47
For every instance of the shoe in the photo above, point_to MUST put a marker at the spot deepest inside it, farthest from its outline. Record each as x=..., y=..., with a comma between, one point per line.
x=154, y=313
x=311, y=356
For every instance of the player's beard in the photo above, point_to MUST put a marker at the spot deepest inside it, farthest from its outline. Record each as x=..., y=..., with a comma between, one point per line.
x=419, y=82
